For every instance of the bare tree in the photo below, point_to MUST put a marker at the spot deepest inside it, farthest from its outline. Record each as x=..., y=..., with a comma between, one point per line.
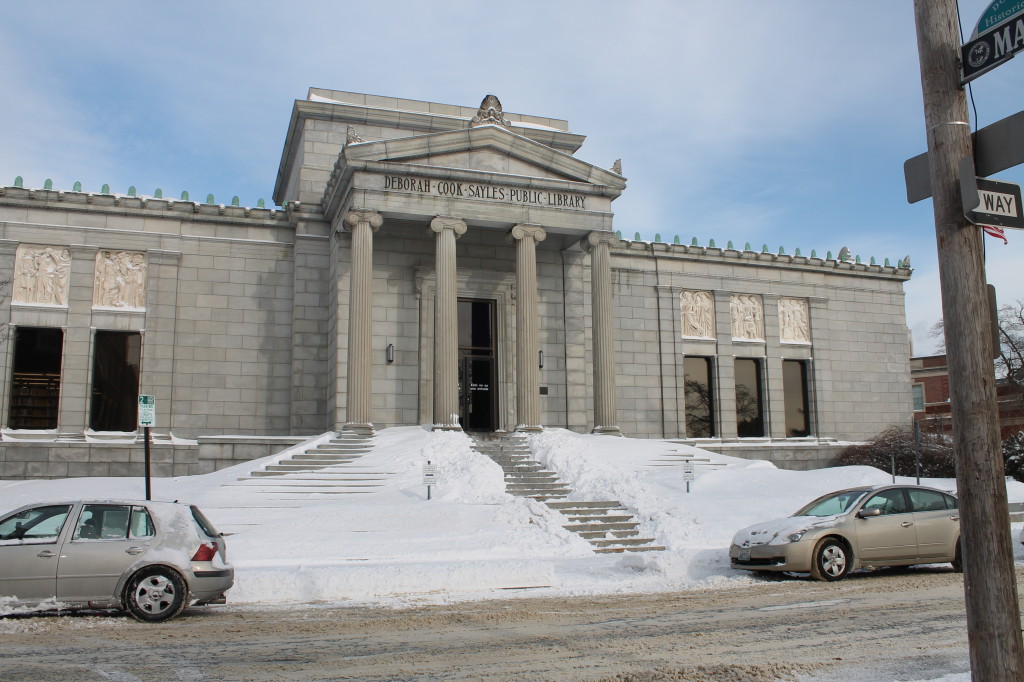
x=1010, y=363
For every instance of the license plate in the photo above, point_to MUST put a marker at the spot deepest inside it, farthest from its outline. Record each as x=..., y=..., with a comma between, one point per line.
x=744, y=555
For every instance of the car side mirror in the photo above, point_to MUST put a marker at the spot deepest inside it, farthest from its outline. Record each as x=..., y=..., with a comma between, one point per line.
x=865, y=513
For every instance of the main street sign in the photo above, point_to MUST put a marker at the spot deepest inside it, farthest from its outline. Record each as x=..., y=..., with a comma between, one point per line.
x=998, y=36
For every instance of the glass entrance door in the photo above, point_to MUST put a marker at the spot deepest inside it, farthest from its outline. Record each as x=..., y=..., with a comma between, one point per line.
x=477, y=377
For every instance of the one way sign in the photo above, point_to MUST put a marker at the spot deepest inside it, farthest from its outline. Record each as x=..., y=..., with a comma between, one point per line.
x=998, y=205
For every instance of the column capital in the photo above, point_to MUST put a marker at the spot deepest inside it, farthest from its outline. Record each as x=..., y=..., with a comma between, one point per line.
x=595, y=238
x=357, y=216
x=442, y=223
x=522, y=231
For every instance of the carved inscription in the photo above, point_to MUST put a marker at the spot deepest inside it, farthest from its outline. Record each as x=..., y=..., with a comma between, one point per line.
x=697, y=314
x=42, y=275
x=794, y=320
x=120, y=280
x=747, y=317
x=469, y=190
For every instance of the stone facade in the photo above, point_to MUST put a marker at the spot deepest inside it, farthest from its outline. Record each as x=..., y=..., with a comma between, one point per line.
x=343, y=309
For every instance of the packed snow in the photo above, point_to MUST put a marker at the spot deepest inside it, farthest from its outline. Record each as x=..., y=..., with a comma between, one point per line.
x=392, y=546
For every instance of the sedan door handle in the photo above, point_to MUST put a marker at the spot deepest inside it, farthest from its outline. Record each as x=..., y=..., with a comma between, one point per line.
x=46, y=554
x=135, y=550
x=954, y=518
x=907, y=524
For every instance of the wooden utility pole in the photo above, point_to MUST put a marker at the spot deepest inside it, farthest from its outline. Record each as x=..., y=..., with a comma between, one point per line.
x=990, y=587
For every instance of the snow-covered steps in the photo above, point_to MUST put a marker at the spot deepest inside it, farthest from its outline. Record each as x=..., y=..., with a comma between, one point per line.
x=330, y=468
x=608, y=526
x=524, y=476
x=678, y=457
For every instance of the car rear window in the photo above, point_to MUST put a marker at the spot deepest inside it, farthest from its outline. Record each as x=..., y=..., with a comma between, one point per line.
x=204, y=523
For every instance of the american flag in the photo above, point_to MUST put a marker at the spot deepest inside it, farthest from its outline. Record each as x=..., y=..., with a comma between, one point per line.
x=995, y=232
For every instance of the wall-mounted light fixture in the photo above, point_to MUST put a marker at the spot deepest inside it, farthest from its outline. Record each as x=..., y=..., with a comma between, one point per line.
x=390, y=353
x=540, y=358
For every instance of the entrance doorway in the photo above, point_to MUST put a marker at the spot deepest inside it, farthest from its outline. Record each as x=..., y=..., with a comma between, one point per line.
x=478, y=390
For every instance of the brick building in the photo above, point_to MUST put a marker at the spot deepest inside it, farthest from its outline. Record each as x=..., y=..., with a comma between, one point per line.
x=930, y=378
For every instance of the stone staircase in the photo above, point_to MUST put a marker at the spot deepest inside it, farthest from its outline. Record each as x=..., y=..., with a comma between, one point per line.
x=330, y=468
x=608, y=526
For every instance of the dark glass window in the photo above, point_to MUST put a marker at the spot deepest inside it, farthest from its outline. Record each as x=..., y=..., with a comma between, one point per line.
x=794, y=388
x=700, y=397
x=475, y=325
x=35, y=380
x=115, y=381
x=749, y=402
x=918, y=391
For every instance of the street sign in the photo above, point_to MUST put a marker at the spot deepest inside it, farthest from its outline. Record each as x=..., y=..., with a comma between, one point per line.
x=147, y=410
x=996, y=14
x=998, y=205
x=998, y=36
x=984, y=53
x=996, y=147
x=429, y=474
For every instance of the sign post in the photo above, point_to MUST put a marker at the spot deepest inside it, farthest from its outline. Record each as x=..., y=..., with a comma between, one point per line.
x=147, y=419
x=429, y=476
x=688, y=474
x=990, y=584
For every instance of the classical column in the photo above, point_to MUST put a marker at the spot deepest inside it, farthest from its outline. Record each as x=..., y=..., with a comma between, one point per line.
x=446, y=324
x=605, y=413
x=527, y=364
x=362, y=225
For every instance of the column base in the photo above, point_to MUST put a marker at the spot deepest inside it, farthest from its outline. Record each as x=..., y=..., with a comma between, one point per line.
x=523, y=428
x=446, y=427
x=607, y=431
x=358, y=428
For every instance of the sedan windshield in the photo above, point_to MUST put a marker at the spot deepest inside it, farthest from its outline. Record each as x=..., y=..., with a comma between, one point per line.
x=833, y=503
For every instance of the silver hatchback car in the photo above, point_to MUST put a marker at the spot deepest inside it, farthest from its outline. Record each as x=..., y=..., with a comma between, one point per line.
x=868, y=527
x=151, y=558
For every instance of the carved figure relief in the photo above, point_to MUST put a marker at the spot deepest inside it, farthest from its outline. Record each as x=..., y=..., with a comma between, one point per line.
x=794, y=320
x=747, y=317
x=42, y=275
x=697, y=314
x=120, y=280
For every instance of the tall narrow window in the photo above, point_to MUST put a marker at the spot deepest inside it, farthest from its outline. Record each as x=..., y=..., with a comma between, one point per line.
x=749, y=403
x=35, y=381
x=700, y=397
x=115, y=381
x=794, y=388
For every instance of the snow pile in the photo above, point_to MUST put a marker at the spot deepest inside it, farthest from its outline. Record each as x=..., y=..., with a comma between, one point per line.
x=391, y=545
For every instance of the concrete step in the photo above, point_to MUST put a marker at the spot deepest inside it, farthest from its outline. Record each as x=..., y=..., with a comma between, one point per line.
x=584, y=505
x=621, y=550
x=600, y=535
x=623, y=518
x=622, y=542
x=601, y=527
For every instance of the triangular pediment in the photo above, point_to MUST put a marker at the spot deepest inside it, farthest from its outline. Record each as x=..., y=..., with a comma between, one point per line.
x=488, y=149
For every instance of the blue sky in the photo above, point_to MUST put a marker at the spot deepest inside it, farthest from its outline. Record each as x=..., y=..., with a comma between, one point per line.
x=783, y=123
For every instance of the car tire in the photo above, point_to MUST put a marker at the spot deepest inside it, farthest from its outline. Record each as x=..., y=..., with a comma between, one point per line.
x=958, y=561
x=831, y=560
x=155, y=594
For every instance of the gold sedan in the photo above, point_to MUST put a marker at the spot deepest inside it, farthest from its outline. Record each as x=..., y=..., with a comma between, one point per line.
x=867, y=527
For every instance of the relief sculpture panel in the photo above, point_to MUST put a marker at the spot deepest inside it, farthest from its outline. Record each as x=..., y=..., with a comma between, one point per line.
x=794, y=320
x=697, y=314
x=747, y=317
x=120, y=280
x=42, y=275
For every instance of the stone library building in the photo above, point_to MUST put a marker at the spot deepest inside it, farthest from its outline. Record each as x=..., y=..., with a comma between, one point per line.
x=424, y=264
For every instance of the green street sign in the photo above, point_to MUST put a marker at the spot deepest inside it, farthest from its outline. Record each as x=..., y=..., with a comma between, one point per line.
x=147, y=410
x=996, y=14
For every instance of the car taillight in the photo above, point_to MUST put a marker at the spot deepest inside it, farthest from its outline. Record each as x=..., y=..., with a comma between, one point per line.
x=205, y=552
